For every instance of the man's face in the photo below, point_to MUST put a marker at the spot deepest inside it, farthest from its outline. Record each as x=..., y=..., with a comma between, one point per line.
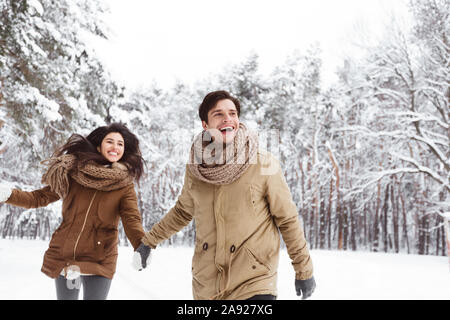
x=223, y=117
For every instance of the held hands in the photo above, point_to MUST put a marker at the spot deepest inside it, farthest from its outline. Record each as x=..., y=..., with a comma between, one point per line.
x=305, y=288
x=141, y=257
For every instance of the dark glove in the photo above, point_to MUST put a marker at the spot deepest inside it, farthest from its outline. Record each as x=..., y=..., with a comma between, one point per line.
x=141, y=257
x=305, y=288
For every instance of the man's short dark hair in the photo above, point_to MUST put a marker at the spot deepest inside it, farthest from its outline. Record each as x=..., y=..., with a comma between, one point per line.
x=210, y=101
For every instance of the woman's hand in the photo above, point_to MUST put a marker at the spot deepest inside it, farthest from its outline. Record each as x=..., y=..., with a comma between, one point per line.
x=141, y=257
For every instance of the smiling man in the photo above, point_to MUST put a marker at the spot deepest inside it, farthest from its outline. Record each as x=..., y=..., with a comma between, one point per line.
x=239, y=208
x=224, y=116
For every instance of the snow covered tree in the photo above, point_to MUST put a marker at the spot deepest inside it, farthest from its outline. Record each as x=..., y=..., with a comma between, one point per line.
x=408, y=134
x=367, y=160
x=293, y=107
x=51, y=83
x=165, y=122
x=432, y=28
x=245, y=82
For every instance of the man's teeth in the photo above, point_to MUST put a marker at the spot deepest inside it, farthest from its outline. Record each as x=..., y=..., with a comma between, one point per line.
x=226, y=129
x=113, y=153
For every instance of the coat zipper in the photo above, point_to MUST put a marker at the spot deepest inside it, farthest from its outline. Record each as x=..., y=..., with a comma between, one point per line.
x=84, y=224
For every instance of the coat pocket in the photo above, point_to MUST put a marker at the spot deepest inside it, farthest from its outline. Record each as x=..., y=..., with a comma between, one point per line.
x=257, y=200
x=57, y=242
x=204, y=272
x=106, y=241
x=246, y=268
x=203, y=260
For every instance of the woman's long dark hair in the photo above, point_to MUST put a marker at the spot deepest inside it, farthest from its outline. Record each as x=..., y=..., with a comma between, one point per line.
x=85, y=149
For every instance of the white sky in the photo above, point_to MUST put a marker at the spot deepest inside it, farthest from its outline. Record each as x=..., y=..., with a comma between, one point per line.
x=177, y=39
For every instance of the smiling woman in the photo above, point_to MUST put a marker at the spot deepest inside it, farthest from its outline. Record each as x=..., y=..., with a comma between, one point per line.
x=112, y=147
x=96, y=191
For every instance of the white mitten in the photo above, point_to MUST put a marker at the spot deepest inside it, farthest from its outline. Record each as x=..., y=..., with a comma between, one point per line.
x=5, y=192
x=72, y=272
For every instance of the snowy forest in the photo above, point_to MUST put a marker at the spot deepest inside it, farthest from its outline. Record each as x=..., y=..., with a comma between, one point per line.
x=367, y=158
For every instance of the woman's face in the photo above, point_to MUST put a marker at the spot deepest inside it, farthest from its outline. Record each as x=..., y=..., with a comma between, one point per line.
x=112, y=147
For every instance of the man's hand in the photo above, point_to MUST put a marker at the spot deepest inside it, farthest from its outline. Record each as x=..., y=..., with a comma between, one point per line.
x=141, y=257
x=305, y=288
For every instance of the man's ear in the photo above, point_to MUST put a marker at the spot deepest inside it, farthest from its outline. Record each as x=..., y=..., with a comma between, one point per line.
x=204, y=125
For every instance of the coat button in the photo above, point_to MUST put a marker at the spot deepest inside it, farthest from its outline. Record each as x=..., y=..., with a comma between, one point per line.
x=232, y=248
x=205, y=246
x=99, y=243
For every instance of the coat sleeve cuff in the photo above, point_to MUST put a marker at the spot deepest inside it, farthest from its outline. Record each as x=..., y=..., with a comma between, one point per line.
x=303, y=275
x=147, y=241
x=5, y=192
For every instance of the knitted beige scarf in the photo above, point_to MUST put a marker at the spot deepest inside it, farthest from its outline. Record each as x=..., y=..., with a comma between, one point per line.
x=217, y=163
x=91, y=175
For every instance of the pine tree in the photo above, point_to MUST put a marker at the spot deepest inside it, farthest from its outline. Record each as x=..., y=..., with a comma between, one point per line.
x=51, y=84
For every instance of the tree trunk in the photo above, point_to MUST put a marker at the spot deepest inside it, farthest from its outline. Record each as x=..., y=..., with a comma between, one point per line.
x=395, y=218
x=385, y=219
x=421, y=238
x=338, y=199
x=447, y=237
x=345, y=226
x=7, y=227
x=310, y=211
x=405, y=222
x=316, y=196
x=365, y=228
x=47, y=230
x=427, y=234
x=330, y=204
x=322, y=230
x=353, y=227
x=376, y=222
x=302, y=183
x=439, y=221
x=37, y=229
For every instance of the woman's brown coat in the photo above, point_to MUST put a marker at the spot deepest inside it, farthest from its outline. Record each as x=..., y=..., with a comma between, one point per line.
x=237, y=240
x=88, y=234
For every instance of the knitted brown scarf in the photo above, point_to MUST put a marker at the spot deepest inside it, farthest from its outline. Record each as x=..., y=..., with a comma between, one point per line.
x=91, y=175
x=218, y=163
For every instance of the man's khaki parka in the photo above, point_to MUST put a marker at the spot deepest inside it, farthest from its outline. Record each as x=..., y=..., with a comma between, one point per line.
x=88, y=234
x=237, y=232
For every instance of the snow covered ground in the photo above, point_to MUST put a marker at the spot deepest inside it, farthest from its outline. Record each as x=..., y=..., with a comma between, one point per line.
x=339, y=275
